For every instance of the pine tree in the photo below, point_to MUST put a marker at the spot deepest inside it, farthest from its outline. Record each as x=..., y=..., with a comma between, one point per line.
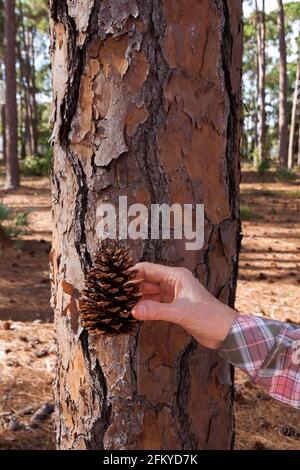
x=11, y=115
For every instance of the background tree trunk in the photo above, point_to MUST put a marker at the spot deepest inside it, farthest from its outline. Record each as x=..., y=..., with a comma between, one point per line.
x=254, y=136
x=261, y=48
x=27, y=66
x=298, y=158
x=2, y=106
x=24, y=115
x=146, y=104
x=294, y=116
x=33, y=92
x=283, y=118
x=22, y=127
x=11, y=118
x=3, y=132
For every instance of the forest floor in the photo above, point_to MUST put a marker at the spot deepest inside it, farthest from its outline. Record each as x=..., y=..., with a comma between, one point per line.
x=269, y=285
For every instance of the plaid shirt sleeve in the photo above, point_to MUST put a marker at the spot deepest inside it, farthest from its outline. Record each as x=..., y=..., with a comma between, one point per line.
x=269, y=352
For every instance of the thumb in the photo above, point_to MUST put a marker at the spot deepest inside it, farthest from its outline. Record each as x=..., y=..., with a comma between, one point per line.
x=150, y=310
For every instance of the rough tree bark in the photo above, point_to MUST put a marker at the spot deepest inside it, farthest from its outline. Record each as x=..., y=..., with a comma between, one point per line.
x=283, y=115
x=294, y=116
x=146, y=104
x=261, y=51
x=11, y=116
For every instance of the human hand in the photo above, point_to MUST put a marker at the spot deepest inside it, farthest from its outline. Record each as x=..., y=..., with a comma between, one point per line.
x=175, y=295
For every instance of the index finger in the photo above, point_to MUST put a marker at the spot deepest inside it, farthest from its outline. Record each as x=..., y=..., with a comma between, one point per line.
x=152, y=272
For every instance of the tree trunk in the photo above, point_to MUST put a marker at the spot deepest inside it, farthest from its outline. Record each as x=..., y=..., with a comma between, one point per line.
x=29, y=82
x=283, y=118
x=11, y=118
x=26, y=142
x=3, y=126
x=294, y=116
x=33, y=93
x=298, y=159
x=254, y=129
x=261, y=48
x=23, y=127
x=146, y=105
x=3, y=133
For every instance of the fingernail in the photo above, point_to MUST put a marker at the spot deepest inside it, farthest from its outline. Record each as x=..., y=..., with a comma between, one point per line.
x=139, y=311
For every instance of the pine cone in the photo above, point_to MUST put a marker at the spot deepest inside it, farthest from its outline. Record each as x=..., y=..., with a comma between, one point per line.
x=111, y=291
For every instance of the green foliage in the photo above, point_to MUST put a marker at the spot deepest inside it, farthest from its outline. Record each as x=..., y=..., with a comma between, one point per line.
x=15, y=223
x=255, y=156
x=276, y=193
x=4, y=211
x=284, y=174
x=264, y=166
x=36, y=166
x=11, y=231
x=35, y=13
x=21, y=219
x=292, y=16
x=268, y=193
x=247, y=213
x=293, y=194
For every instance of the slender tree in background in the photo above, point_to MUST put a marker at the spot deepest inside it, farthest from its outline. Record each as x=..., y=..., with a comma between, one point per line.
x=11, y=116
x=146, y=105
x=2, y=105
x=294, y=116
x=25, y=134
x=250, y=128
x=26, y=55
x=254, y=138
x=283, y=114
x=261, y=53
x=298, y=159
x=33, y=92
x=3, y=112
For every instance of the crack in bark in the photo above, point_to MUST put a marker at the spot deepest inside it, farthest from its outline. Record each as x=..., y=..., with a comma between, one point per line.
x=68, y=109
x=80, y=211
x=133, y=345
x=55, y=184
x=231, y=150
x=205, y=257
x=102, y=422
x=232, y=117
x=209, y=429
x=144, y=145
x=187, y=437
